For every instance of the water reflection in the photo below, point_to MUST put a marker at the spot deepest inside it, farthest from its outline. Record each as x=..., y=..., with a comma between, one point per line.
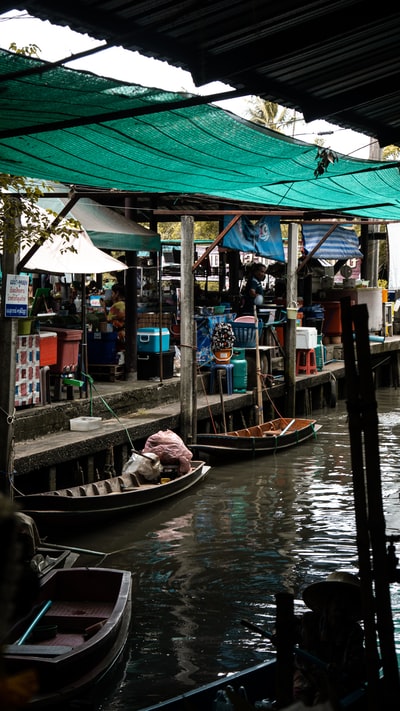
x=224, y=550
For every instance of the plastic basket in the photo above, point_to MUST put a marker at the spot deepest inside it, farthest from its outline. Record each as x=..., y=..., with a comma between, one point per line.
x=245, y=334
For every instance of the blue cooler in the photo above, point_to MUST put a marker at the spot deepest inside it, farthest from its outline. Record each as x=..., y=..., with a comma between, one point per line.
x=148, y=340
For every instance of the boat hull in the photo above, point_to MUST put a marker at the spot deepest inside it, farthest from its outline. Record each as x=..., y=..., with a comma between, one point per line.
x=258, y=683
x=79, y=640
x=268, y=438
x=103, y=500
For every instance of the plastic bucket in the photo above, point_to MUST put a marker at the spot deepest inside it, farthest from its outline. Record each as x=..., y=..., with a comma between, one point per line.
x=25, y=326
x=223, y=356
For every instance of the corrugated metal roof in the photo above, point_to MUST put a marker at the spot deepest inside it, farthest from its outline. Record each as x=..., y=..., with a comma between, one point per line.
x=337, y=60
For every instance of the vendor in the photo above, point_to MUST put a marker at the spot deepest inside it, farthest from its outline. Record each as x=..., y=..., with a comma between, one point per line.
x=116, y=313
x=252, y=293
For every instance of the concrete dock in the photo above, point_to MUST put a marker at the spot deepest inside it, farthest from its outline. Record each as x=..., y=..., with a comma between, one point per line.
x=131, y=410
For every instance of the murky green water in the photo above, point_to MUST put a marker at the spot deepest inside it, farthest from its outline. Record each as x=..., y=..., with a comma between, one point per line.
x=221, y=553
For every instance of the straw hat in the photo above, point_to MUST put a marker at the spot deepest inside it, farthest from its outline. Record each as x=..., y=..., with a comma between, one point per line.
x=339, y=586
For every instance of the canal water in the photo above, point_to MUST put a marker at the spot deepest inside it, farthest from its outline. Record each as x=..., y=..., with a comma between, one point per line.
x=223, y=551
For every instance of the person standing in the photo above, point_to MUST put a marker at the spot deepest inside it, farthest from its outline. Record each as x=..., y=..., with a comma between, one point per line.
x=253, y=292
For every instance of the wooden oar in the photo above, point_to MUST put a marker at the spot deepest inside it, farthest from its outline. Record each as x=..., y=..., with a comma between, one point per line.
x=288, y=426
x=72, y=549
x=297, y=650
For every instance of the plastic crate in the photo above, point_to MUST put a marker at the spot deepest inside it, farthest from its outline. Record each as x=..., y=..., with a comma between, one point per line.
x=245, y=334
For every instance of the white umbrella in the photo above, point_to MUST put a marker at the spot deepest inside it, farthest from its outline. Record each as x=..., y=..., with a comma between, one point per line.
x=55, y=257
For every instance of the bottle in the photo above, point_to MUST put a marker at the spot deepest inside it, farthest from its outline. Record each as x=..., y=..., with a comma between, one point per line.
x=78, y=303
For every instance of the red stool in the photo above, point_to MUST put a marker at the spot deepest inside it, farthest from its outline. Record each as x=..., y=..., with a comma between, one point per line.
x=305, y=361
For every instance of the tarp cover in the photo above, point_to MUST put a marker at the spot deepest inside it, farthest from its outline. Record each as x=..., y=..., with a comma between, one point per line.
x=342, y=243
x=106, y=228
x=78, y=128
x=263, y=238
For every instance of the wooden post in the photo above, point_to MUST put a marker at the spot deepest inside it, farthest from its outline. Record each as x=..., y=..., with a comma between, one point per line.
x=260, y=405
x=187, y=393
x=290, y=334
x=8, y=339
x=376, y=519
x=285, y=640
x=370, y=524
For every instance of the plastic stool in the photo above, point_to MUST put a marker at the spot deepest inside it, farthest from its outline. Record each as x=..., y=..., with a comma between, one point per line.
x=228, y=368
x=305, y=361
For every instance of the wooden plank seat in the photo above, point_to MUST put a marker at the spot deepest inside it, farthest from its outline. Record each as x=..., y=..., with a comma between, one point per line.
x=42, y=650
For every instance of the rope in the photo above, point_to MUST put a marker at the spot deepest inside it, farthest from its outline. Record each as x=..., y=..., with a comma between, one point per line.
x=274, y=407
x=105, y=403
x=207, y=400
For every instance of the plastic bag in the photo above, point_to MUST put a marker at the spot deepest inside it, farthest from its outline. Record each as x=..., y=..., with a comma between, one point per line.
x=149, y=466
x=170, y=449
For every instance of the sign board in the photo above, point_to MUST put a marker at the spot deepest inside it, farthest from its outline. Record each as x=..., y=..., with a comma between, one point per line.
x=16, y=305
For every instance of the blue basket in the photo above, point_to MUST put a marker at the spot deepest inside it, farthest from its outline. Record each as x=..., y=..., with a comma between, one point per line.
x=245, y=333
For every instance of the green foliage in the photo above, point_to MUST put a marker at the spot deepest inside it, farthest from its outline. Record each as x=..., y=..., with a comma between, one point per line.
x=23, y=221
x=270, y=114
x=391, y=153
x=171, y=231
x=30, y=50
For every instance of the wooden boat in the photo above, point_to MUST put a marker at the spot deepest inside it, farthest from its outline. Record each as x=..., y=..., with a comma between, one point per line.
x=103, y=500
x=42, y=557
x=268, y=437
x=246, y=687
x=74, y=636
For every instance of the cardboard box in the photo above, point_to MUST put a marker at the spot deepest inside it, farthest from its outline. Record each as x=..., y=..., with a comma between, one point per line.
x=306, y=338
x=148, y=340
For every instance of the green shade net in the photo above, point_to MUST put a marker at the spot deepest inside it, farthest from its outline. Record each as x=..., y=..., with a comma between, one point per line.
x=200, y=150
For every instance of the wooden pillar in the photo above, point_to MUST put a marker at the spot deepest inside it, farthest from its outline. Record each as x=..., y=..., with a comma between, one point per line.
x=291, y=308
x=187, y=391
x=8, y=345
x=130, y=307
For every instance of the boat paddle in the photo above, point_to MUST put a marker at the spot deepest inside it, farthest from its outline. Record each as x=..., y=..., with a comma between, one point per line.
x=34, y=622
x=288, y=426
x=72, y=549
x=297, y=650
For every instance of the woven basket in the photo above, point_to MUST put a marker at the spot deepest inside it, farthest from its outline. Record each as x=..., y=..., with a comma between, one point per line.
x=245, y=334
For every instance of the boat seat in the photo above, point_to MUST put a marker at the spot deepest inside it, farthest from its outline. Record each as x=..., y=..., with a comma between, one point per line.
x=37, y=650
x=272, y=433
